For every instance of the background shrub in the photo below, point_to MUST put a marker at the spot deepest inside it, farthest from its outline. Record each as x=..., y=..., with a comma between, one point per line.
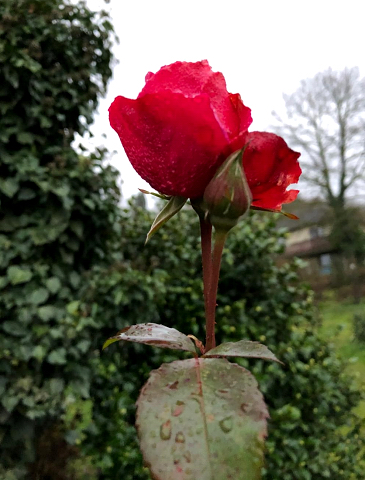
x=310, y=399
x=359, y=327
x=55, y=61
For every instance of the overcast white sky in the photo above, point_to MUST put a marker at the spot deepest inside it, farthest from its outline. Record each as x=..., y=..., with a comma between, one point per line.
x=263, y=48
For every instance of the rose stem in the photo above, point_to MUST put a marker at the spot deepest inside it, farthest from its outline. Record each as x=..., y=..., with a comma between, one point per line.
x=206, y=244
x=220, y=238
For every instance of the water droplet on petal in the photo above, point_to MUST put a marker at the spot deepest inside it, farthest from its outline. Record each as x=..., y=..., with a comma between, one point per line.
x=180, y=437
x=226, y=424
x=165, y=430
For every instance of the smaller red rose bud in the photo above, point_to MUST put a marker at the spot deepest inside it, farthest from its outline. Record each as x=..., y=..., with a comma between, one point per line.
x=228, y=197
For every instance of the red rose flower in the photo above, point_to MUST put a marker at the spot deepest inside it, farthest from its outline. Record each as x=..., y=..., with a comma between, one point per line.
x=270, y=167
x=184, y=124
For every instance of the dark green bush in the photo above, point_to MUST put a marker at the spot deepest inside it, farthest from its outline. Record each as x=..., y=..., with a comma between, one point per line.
x=359, y=327
x=310, y=399
x=55, y=60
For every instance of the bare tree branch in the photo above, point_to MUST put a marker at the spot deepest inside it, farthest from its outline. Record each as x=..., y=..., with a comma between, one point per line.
x=325, y=119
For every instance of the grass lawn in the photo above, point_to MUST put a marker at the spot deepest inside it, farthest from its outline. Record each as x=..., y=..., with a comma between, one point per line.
x=336, y=327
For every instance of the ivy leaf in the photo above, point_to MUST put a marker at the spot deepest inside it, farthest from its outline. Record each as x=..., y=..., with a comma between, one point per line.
x=25, y=138
x=9, y=186
x=18, y=275
x=39, y=296
x=26, y=194
x=57, y=357
x=53, y=284
x=47, y=312
x=243, y=348
x=39, y=352
x=155, y=335
x=10, y=402
x=73, y=307
x=173, y=206
x=13, y=328
x=56, y=385
x=202, y=418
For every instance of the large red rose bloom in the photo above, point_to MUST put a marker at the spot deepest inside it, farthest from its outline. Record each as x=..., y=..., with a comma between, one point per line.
x=184, y=124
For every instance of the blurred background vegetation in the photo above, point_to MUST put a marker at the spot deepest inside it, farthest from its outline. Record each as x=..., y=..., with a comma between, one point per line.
x=74, y=270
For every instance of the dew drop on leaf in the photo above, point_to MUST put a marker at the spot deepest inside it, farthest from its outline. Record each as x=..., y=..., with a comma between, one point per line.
x=178, y=409
x=165, y=430
x=180, y=437
x=173, y=386
x=245, y=407
x=187, y=456
x=226, y=424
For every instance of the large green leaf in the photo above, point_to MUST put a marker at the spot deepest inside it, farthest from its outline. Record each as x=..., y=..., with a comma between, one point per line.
x=202, y=418
x=154, y=334
x=243, y=348
x=173, y=206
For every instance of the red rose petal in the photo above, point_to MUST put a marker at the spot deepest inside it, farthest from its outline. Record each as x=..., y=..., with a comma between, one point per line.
x=174, y=143
x=274, y=198
x=242, y=112
x=179, y=77
x=192, y=79
x=233, y=117
x=270, y=167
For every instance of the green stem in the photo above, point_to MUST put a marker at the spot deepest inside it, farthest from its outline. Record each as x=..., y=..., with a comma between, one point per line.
x=220, y=238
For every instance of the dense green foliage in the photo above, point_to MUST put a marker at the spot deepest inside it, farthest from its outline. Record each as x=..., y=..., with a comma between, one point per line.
x=55, y=61
x=348, y=236
x=44, y=256
x=309, y=399
x=74, y=270
x=359, y=327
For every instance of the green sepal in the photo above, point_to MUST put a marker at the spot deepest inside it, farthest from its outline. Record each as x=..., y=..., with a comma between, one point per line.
x=173, y=206
x=286, y=214
x=158, y=195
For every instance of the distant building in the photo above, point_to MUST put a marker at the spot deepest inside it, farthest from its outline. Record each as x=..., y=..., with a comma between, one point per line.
x=308, y=237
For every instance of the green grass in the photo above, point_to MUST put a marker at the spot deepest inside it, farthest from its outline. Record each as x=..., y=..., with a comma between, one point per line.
x=337, y=328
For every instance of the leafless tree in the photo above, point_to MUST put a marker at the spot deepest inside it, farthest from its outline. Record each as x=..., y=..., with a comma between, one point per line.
x=325, y=120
